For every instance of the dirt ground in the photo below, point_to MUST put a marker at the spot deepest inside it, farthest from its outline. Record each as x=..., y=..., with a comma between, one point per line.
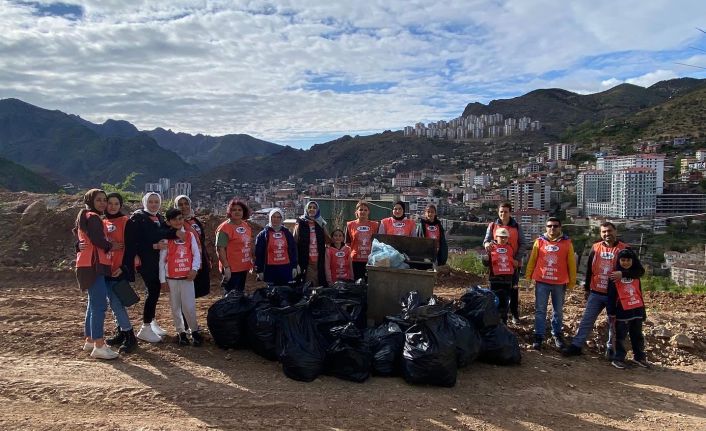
x=48, y=383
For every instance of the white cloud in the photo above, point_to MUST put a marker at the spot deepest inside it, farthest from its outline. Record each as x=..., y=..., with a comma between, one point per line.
x=652, y=77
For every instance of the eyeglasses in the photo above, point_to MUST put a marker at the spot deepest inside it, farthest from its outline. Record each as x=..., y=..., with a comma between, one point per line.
x=552, y=226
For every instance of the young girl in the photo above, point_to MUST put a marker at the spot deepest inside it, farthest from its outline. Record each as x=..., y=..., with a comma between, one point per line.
x=276, y=252
x=398, y=224
x=339, y=266
x=501, y=269
x=310, y=235
x=626, y=309
x=178, y=265
x=202, y=282
x=234, y=247
x=430, y=227
x=359, y=236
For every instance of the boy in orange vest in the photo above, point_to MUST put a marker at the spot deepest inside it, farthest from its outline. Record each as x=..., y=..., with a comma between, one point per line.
x=178, y=265
x=501, y=263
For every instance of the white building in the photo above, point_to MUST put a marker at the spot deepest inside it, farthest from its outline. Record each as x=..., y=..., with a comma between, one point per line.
x=182, y=189
x=559, y=151
x=610, y=164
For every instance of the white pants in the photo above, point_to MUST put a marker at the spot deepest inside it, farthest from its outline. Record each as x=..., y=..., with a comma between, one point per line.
x=183, y=301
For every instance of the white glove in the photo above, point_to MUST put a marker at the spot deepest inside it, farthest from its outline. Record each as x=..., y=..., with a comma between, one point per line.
x=295, y=272
x=226, y=274
x=259, y=276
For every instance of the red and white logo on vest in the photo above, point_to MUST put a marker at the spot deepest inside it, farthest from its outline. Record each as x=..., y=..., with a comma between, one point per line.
x=501, y=250
x=398, y=224
x=608, y=255
x=362, y=228
x=340, y=254
x=241, y=230
x=111, y=227
x=551, y=248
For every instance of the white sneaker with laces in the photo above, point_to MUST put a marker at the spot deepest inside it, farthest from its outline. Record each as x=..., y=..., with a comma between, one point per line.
x=88, y=347
x=146, y=334
x=103, y=352
x=157, y=329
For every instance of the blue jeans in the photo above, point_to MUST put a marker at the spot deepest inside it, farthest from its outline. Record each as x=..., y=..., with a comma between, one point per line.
x=542, y=292
x=119, y=311
x=95, y=310
x=594, y=305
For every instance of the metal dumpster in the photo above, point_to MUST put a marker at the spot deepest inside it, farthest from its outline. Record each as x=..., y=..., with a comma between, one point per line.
x=386, y=286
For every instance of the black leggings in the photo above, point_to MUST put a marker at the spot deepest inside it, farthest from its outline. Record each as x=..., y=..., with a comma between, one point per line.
x=515, y=303
x=236, y=282
x=153, y=287
x=360, y=271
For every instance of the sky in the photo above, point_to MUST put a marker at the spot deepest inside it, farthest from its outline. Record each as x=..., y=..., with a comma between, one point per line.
x=305, y=72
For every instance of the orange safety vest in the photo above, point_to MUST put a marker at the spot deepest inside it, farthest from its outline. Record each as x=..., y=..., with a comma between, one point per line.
x=313, y=249
x=277, y=248
x=239, y=249
x=193, y=227
x=399, y=227
x=87, y=257
x=179, y=257
x=629, y=293
x=603, y=264
x=552, y=266
x=339, y=263
x=116, y=233
x=513, y=240
x=361, y=234
x=501, y=259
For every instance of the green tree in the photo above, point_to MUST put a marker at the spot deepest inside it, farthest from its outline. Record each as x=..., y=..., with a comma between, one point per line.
x=125, y=187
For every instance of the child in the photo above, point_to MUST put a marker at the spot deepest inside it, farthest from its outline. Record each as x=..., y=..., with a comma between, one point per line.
x=430, y=227
x=626, y=309
x=339, y=265
x=359, y=236
x=178, y=265
x=501, y=269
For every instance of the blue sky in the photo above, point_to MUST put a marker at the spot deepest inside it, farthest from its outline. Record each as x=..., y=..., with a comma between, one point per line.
x=305, y=72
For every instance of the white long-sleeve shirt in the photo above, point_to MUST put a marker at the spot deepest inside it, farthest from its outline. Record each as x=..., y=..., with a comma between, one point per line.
x=195, y=262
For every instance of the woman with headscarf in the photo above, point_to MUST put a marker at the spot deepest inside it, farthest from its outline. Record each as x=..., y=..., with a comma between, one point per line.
x=92, y=266
x=202, y=282
x=144, y=232
x=398, y=224
x=234, y=247
x=276, y=252
x=311, y=237
x=359, y=236
x=430, y=227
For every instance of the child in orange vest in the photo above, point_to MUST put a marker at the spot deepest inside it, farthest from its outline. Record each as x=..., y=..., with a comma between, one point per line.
x=339, y=265
x=626, y=311
x=501, y=265
x=178, y=265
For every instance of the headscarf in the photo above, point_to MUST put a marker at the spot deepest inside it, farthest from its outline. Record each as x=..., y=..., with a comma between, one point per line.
x=120, y=199
x=400, y=203
x=89, y=205
x=317, y=217
x=176, y=205
x=269, y=218
x=146, y=197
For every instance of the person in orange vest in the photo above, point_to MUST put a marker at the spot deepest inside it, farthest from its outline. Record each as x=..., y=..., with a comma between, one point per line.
x=430, y=227
x=235, y=247
x=626, y=310
x=398, y=224
x=311, y=237
x=276, y=252
x=178, y=265
x=517, y=240
x=599, y=271
x=359, y=236
x=501, y=269
x=202, y=282
x=552, y=267
x=339, y=265
x=92, y=266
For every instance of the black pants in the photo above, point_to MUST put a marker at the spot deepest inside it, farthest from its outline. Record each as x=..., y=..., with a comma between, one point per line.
x=359, y=271
x=634, y=329
x=236, y=282
x=153, y=287
x=503, y=292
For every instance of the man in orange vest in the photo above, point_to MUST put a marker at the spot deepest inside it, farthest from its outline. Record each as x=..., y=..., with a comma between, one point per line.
x=552, y=266
x=599, y=270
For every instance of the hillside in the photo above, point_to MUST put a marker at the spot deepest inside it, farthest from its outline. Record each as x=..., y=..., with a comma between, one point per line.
x=61, y=148
x=16, y=177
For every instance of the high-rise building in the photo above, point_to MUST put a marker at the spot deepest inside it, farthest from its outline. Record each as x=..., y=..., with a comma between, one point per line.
x=609, y=164
x=528, y=193
x=559, y=151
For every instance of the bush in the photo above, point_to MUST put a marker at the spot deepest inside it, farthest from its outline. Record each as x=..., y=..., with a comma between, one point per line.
x=469, y=262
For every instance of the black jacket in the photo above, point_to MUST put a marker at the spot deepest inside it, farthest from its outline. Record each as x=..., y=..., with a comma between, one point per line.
x=301, y=233
x=140, y=234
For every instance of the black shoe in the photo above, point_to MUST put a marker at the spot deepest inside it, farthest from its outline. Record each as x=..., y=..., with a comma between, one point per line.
x=559, y=342
x=537, y=345
x=571, y=351
x=130, y=342
x=617, y=363
x=197, y=338
x=182, y=340
x=116, y=339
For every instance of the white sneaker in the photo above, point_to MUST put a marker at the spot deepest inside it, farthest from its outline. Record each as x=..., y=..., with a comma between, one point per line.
x=146, y=334
x=88, y=347
x=103, y=352
x=157, y=329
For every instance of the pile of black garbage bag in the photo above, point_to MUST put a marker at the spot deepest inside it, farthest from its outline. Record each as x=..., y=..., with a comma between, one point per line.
x=323, y=331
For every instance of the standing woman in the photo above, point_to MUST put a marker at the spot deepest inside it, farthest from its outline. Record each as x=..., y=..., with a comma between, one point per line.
x=359, y=236
x=310, y=235
x=115, y=222
x=234, y=247
x=276, y=252
x=92, y=266
x=202, y=282
x=143, y=233
x=398, y=224
x=430, y=227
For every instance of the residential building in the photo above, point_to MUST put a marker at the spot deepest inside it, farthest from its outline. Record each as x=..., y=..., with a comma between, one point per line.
x=182, y=189
x=532, y=222
x=688, y=274
x=559, y=151
x=681, y=203
x=533, y=192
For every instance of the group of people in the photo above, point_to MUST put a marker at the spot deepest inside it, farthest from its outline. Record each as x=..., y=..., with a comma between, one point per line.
x=169, y=253
x=612, y=283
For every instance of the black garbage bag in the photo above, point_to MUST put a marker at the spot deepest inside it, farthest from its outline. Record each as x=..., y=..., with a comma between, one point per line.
x=351, y=298
x=262, y=331
x=500, y=346
x=327, y=314
x=467, y=339
x=349, y=356
x=411, y=301
x=386, y=343
x=299, y=345
x=227, y=321
x=480, y=307
x=429, y=355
